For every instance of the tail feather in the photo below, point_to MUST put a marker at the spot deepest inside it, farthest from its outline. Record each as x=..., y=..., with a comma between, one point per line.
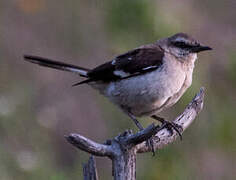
x=56, y=65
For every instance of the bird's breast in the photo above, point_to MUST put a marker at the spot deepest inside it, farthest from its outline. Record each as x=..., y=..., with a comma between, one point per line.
x=148, y=92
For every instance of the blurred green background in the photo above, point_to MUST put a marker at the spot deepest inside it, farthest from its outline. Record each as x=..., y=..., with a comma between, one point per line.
x=38, y=106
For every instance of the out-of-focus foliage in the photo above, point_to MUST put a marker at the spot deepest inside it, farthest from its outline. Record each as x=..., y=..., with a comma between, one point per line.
x=38, y=106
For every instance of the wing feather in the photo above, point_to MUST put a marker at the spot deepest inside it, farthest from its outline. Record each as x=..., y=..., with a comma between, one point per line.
x=133, y=63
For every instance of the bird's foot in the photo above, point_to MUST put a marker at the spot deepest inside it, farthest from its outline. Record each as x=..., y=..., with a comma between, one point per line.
x=150, y=144
x=173, y=126
x=170, y=126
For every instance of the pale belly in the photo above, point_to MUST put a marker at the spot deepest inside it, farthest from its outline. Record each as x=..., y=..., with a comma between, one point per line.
x=147, y=94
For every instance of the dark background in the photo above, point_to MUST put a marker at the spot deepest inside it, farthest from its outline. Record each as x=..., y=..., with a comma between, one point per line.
x=38, y=106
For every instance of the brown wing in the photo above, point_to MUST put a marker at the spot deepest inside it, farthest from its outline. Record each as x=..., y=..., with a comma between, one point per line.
x=132, y=63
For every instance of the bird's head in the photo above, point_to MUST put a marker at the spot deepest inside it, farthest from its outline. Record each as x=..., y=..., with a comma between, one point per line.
x=182, y=45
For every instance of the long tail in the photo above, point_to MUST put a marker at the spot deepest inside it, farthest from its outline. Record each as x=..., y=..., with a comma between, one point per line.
x=56, y=65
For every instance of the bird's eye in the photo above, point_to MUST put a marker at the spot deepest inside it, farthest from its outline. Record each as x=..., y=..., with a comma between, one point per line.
x=181, y=44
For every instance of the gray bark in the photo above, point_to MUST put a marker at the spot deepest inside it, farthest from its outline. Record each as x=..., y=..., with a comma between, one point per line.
x=90, y=170
x=123, y=149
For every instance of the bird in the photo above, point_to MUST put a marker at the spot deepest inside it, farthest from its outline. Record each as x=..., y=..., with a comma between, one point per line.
x=144, y=81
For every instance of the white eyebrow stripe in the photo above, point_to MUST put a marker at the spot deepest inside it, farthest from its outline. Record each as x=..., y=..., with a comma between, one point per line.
x=181, y=39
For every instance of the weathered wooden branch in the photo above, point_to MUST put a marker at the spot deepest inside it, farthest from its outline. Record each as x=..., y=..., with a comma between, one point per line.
x=90, y=170
x=122, y=149
x=89, y=146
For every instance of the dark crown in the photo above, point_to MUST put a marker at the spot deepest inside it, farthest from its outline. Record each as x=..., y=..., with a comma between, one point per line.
x=183, y=40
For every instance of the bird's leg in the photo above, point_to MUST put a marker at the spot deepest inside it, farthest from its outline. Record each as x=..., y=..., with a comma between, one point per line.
x=140, y=127
x=137, y=123
x=169, y=125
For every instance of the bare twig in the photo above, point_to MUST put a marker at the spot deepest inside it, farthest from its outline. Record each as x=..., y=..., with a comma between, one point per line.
x=88, y=145
x=143, y=135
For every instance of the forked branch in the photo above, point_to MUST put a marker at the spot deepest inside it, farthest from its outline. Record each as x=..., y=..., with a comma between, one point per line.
x=122, y=149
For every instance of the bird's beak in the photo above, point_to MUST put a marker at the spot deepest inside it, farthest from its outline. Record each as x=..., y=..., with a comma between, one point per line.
x=200, y=48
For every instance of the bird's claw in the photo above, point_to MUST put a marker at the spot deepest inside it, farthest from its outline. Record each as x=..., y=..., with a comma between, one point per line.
x=150, y=145
x=170, y=126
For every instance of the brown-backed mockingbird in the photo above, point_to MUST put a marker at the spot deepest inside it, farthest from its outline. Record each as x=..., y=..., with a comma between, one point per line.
x=143, y=81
